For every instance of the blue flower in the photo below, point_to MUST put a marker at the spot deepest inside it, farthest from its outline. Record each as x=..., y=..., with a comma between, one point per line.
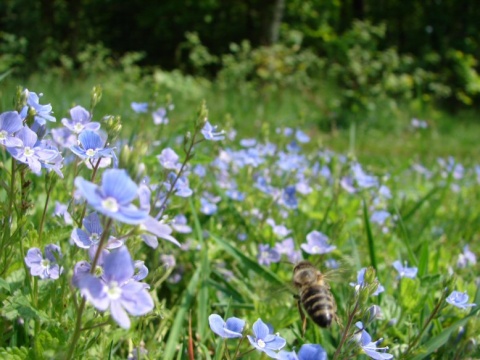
x=459, y=299
x=41, y=112
x=466, y=258
x=179, y=224
x=307, y=352
x=160, y=116
x=44, y=267
x=10, y=123
x=287, y=247
x=92, y=234
x=361, y=282
x=289, y=198
x=113, y=197
x=207, y=207
x=404, y=271
x=363, y=179
x=81, y=120
x=379, y=217
x=232, y=328
x=139, y=107
x=92, y=146
x=169, y=159
x=31, y=152
x=264, y=340
x=62, y=211
x=181, y=188
x=117, y=289
x=279, y=230
x=210, y=133
x=302, y=137
x=317, y=243
x=371, y=348
x=266, y=255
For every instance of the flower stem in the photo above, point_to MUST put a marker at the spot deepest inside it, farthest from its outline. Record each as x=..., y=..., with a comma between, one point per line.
x=78, y=323
x=347, y=329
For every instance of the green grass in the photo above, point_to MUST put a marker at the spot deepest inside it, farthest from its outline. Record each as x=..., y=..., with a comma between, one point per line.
x=432, y=219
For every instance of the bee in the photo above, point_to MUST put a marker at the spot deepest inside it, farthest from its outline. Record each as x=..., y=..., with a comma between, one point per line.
x=314, y=295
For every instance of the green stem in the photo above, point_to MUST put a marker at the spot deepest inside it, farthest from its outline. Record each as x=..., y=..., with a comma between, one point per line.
x=78, y=323
x=49, y=187
x=347, y=328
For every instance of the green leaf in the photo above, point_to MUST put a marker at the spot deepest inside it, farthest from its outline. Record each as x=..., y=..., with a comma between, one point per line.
x=4, y=285
x=371, y=244
x=438, y=341
x=249, y=263
x=15, y=353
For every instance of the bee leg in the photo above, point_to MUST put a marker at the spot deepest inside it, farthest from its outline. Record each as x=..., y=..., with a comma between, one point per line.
x=302, y=315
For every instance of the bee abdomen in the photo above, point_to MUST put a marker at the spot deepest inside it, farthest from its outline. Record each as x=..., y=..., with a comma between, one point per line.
x=319, y=304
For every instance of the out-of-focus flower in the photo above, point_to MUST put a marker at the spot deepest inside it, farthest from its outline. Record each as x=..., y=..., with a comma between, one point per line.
x=179, y=224
x=264, y=340
x=207, y=207
x=169, y=159
x=160, y=116
x=181, y=188
x=418, y=124
x=139, y=108
x=466, y=258
x=113, y=197
x=363, y=180
x=287, y=247
x=62, y=210
x=80, y=121
x=302, y=137
x=267, y=255
x=279, y=230
x=10, y=123
x=288, y=197
x=459, y=299
x=44, y=267
x=306, y=352
x=210, y=132
x=317, y=243
x=248, y=142
x=232, y=328
x=117, y=289
x=379, y=217
x=371, y=347
x=404, y=271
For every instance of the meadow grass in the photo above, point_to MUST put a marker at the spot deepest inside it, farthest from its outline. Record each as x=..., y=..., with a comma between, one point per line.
x=377, y=192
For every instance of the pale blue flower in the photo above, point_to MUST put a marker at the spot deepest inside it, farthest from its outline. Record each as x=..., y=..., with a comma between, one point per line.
x=31, y=152
x=92, y=146
x=113, y=197
x=139, y=107
x=317, y=244
x=80, y=121
x=168, y=158
x=371, y=347
x=232, y=328
x=267, y=255
x=306, y=352
x=459, y=299
x=404, y=271
x=117, y=289
x=92, y=234
x=45, y=267
x=42, y=112
x=210, y=132
x=160, y=116
x=264, y=340
x=10, y=123
x=466, y=258
x=179, y=224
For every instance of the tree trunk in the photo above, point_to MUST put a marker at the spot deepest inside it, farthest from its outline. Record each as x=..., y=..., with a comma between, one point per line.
x=271, y=13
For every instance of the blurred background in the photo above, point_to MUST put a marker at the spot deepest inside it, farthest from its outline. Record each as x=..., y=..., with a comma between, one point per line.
x=382, y=65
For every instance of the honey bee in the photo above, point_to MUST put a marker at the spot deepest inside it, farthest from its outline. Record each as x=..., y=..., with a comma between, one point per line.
x=314, y=295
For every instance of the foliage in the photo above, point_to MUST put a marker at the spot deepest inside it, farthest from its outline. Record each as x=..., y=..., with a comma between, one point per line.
x=251, y=205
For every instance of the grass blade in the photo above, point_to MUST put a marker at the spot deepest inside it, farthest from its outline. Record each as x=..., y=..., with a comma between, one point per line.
x=368, y=229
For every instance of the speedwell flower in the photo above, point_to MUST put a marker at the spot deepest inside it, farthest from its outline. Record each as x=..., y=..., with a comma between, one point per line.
x=306, y=352
x=210, y=133
x=459, y=299
x=317, y=243
x=232, y=328
x=92, y=234
x=117, y=289
x=80, y=121
x=371, y=347
x=404, y=271
x=31, y=152
x=91, y=146
x=264, y=340
x=44, y=267
x=41, y=112
x=10, y=123
x=113, y=197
